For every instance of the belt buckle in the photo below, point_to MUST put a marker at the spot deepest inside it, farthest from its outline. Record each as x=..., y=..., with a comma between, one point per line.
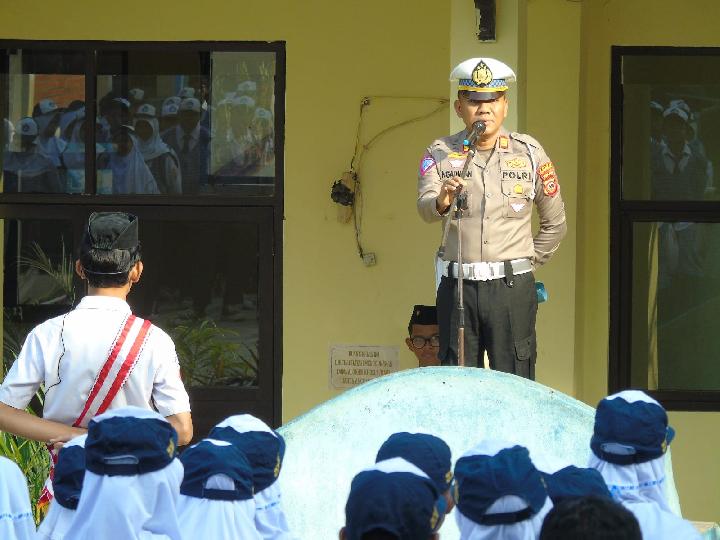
x=484, y=273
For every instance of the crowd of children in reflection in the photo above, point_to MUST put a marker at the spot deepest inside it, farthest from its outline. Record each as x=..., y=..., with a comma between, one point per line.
x=144, y=145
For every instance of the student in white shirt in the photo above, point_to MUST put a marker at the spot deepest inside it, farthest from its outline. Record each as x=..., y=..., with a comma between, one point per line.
x=132, y=479
x=629, y=442
x=216, y=495
x=67, y=485
x=265, y=450
x=98, y=356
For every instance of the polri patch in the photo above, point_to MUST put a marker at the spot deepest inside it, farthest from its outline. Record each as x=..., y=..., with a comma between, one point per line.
x=427, y=163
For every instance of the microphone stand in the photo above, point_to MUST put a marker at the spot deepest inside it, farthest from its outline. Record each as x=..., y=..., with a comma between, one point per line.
x=457, y=207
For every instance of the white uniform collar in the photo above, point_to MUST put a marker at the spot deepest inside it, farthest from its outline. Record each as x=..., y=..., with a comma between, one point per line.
x=110, y=303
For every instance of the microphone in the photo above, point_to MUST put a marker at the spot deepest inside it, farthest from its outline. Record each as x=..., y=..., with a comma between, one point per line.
x=478, y=128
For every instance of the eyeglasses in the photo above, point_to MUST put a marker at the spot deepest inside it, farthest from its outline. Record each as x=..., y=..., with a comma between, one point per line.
x=419, y=342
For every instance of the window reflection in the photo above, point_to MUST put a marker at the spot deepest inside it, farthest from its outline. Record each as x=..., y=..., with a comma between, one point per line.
x=676, y=299
x=199, y=130
x=38, y=277
x=671, y=134
x=209, y=306
x=43, y=91
x=166, y=122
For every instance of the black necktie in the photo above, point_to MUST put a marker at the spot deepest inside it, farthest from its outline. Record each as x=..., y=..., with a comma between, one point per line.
x=186, y=143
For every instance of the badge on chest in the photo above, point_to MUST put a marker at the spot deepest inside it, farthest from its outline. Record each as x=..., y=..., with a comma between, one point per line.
x=516, y=175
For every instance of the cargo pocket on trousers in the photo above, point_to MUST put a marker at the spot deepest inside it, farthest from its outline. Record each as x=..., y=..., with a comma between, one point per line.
x=524, y=358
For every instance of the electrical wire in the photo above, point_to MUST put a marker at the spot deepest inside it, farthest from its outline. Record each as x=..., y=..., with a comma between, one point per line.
x=361, y=150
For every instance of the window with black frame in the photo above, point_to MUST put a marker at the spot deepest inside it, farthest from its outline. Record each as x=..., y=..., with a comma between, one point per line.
x=665, y=282
x=166, y=122
x=189, y=138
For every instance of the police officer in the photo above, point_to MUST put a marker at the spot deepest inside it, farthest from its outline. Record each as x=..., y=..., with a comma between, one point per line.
x=509, y=172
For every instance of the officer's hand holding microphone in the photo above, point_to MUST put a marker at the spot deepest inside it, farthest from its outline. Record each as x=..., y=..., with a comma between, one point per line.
x=448, y=191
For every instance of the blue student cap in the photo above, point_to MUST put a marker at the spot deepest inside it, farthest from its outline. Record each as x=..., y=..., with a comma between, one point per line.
x=480, y=480
x=209, y=458
x=129, y=441
x=70, y=472
x=630, y=427
x=573, y=482
x=428, y=453
x=393, y=496
x=263, y=447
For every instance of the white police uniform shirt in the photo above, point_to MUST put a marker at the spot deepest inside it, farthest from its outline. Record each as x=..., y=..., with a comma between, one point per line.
x=66, y=353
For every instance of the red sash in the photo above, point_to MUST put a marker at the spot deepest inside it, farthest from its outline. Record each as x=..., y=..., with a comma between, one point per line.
x=123, y=356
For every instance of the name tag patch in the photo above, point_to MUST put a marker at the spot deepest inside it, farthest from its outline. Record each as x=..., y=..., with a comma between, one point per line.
x=450, y=174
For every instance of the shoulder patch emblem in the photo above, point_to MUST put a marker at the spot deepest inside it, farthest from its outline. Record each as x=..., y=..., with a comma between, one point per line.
x=516, y=163
x=550, y=188
x=546, y=172
x=427, y=163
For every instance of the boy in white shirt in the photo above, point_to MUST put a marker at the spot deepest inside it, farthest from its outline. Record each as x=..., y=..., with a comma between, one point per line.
x=98, y=356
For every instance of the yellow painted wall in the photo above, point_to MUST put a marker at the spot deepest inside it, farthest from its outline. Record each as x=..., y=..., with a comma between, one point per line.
x=552, y=80
x=632, y=22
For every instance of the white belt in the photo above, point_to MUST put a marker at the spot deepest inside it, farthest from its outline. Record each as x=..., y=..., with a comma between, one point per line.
x=485, y=271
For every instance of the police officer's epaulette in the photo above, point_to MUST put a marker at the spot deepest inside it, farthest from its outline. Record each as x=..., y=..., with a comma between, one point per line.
x=527, y=139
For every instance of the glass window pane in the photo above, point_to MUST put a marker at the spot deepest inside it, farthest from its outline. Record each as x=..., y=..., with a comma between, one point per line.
x=200, y=284
x=676, y=306
x=38, y=277
x=190, y=123
x=671, y=133
x=42, y=103
x=242, y=152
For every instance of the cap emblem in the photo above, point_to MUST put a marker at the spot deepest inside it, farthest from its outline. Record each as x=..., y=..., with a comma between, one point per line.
x=171, y=449
x=434, y=518
x=276, y=471
x=481, y=75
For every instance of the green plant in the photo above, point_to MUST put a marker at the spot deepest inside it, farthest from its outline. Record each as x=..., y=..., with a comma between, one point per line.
x=31, y=456
x=211, y=356
x=62, y=274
